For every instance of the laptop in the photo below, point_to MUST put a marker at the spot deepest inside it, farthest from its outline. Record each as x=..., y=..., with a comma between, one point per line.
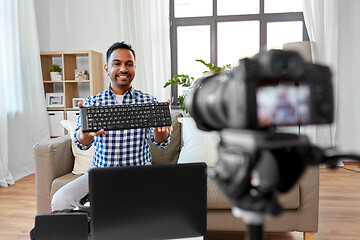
x=149, y=202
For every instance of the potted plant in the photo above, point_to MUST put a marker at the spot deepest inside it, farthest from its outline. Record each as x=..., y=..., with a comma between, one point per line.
x=184, y=80
x=55, y=71
x=86, y=75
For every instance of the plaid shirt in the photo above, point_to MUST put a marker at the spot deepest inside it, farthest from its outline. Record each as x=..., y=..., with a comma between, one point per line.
x=127, y=147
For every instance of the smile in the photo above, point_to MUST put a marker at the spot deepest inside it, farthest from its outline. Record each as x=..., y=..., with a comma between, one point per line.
x=123, y=76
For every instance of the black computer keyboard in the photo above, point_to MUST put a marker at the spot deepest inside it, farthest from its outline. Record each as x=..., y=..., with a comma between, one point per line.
x=127, y=116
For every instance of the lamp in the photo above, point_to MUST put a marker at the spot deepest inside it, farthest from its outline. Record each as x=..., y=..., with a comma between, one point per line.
x=303, y=48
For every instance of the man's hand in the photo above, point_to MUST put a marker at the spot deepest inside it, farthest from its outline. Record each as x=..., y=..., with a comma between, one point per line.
x=88, y=137
x=162, y=133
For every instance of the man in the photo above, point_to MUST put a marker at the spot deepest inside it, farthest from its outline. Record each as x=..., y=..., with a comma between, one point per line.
x=127, y=147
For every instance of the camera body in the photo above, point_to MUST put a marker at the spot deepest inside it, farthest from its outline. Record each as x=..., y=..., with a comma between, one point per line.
x=274, y=88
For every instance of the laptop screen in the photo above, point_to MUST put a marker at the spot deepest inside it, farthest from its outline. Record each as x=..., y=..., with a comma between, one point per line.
x=148, y=202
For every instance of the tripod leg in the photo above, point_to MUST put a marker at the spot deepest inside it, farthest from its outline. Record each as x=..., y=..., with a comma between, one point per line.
x=255, y=232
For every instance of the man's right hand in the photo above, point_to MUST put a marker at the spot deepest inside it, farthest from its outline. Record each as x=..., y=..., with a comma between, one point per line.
x=88, y=137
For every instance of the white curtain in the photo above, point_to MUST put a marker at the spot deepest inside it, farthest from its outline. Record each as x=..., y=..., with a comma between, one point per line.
x=333, y=27
x=349, y=76
x=145, y=25
x=321, y=19
x=23, y=119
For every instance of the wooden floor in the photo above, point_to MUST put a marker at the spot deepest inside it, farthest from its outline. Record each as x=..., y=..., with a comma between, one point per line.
x=17, y=209
x=339, y=214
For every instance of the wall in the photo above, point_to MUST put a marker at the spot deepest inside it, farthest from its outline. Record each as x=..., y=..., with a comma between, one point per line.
x=65, y=25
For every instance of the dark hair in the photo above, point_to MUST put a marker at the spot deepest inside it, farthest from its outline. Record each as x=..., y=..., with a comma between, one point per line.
x=118, y=45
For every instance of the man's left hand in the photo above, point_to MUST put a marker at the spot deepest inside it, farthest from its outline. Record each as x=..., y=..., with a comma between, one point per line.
x=162, y=133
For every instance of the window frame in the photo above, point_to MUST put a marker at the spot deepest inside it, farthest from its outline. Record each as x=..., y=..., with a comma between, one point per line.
x=212, y=21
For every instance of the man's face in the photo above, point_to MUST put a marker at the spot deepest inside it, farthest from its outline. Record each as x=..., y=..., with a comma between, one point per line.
x=121, y=68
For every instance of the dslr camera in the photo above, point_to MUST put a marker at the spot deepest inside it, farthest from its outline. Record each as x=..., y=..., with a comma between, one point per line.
x=244, y=106
x=274, y=88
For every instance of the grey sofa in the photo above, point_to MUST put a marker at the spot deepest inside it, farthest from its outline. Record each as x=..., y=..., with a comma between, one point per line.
x=54, y=163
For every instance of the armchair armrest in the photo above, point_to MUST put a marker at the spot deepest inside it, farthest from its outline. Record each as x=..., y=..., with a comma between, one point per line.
x=53, y=159
x=309, y=195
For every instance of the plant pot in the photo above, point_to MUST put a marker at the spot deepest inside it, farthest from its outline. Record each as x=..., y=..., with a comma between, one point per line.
x=86, y=77
x=54, y=76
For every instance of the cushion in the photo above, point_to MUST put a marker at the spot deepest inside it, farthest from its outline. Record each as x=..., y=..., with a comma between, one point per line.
x=83, y=158
x=170, y=154
x=199, y=146
x=217, y=200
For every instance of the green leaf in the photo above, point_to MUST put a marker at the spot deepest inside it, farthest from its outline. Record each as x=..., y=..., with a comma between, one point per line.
x=180, y=79
x=55, y=68
x=226, y=67
x=181, y=102
x=212, y=68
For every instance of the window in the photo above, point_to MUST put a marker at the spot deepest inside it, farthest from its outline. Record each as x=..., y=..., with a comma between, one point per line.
x=224, y=31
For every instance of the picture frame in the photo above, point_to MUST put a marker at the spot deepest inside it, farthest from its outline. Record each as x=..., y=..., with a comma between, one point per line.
x=75, y=102
x=55, y=99
x=78, y=75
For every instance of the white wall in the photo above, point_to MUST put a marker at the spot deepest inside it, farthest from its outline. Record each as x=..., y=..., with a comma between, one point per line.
x=65, y=25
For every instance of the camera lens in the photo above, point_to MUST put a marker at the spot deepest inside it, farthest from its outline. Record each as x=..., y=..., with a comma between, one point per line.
x=203, y=103
x=216, y=100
